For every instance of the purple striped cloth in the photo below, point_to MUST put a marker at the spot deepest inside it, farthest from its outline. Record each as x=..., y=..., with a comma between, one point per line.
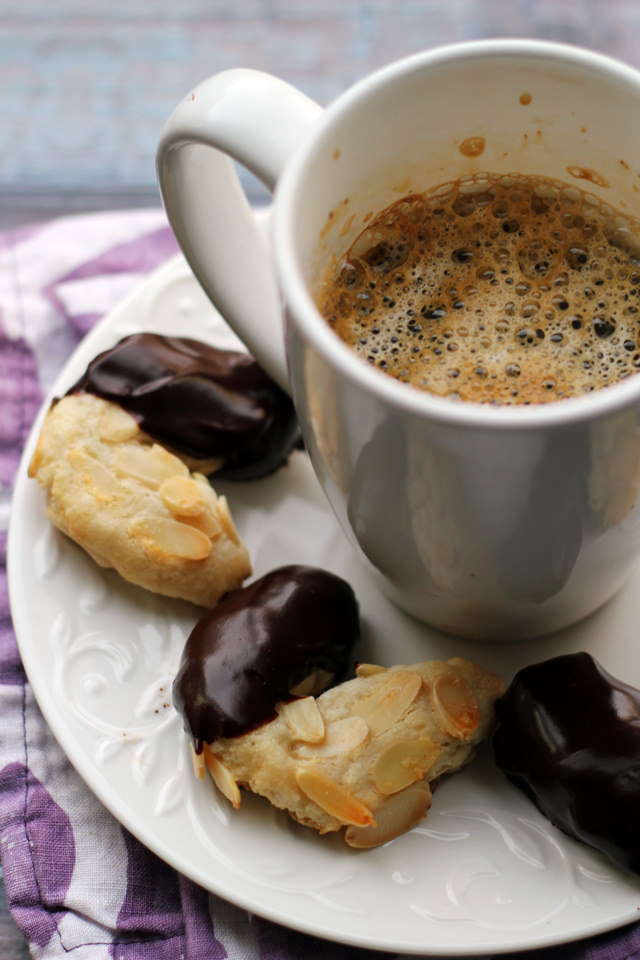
x=77, y=883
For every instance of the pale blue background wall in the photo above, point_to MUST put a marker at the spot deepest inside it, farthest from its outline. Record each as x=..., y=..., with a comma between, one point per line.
x=85, y=86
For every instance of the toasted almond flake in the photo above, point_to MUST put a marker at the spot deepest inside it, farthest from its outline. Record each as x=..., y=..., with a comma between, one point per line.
x=390, y=700
x=303, y=719
x=314, y=684
x=183, y=496
x=340, y=736
x=368, y=669
x=226, y=521
x=150, y=465
x=95, y=474
x=222, y=778
x=172, y=537
x=208, y=467
x=332, y=797
x=198, y=762
x=210, y=521
x=404, y=762
x=206, y=522
x=207, y=490
x=454, y=705
x=116, y=425
x=395, y=816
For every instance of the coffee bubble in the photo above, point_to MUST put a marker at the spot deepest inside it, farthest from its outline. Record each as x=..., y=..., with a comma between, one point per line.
x=493, y=289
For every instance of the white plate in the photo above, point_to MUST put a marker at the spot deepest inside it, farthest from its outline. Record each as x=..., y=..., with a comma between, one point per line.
x=484, y=873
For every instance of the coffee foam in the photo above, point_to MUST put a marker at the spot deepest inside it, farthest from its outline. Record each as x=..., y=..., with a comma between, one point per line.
x=494, y=289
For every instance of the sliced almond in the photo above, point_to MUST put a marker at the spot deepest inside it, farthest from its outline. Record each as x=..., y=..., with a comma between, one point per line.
x=314, y=684
x=225, y=519
x=209, y=520
x=208, y=491
x=183, y=496
x=340, y=736
x=303, y=719
x=116, y=425
x=390, y=700
x=94, y=473
x=332, y=797
x=172, y=537
x=208, y=467
x=368, y=669
x=403, y=763
x=150, y=465
x=395, y=816
x=205, y=522
x=222, y=778
x=454, y=705
x=198, y=763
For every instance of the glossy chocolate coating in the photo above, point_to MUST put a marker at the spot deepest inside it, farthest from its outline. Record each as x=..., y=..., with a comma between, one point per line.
x=249, y=651
x=198, y=400
x=569, y=738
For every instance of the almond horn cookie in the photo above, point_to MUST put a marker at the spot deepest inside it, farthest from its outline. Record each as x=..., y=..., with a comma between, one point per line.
x=289, y=634
x=217, y=409
x=133, y=505
x=365, y=754
x=568, y=737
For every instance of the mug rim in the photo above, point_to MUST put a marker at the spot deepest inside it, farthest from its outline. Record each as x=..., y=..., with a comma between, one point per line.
x=385, y=388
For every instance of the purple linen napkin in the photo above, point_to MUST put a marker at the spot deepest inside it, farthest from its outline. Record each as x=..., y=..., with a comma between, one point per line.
x=77, y=883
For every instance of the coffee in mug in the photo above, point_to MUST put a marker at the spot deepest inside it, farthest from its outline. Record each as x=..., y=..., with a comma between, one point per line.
x=503, y=289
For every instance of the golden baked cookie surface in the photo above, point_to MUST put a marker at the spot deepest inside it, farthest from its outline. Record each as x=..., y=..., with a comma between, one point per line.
x=134, y=506
x=366, y=753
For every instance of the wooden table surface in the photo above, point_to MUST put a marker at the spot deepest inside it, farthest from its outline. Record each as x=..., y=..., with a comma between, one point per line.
x=86, y=87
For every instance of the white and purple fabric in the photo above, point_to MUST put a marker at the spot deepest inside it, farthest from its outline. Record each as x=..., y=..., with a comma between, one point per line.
x=78, y=885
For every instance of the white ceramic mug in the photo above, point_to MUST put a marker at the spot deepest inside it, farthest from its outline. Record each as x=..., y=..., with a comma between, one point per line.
x=490, y=522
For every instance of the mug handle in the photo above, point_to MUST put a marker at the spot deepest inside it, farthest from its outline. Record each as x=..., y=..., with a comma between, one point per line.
x=258, y=120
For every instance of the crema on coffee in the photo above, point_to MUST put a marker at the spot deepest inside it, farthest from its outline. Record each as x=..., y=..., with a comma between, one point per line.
x=493, y=289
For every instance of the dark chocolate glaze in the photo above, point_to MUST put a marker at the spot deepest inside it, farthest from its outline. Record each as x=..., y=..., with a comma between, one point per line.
x=249, y=651
x=569, y=738
x=200, y=401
